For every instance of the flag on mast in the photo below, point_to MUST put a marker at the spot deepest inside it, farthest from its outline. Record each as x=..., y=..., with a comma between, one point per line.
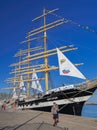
x=66, y=67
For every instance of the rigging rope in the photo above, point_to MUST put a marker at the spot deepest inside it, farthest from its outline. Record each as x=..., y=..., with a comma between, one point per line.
x=73, y=97
x=85, y=27
x=51, y=83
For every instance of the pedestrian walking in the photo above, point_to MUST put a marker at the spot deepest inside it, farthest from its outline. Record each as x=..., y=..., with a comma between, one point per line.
x=55, y=113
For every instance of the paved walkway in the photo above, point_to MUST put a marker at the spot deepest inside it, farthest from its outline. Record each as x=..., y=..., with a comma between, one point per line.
x=36, y=120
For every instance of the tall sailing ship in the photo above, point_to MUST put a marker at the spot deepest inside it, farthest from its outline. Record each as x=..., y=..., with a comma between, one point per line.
x=33, y=91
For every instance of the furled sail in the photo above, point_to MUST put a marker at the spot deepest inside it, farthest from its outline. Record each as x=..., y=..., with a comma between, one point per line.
x=24, y=88
x=21, y=83
x=35, y=82
x=66, y=67
x=14, y=93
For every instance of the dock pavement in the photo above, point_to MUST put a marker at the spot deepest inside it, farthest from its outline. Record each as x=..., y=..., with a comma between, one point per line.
x=11, y=119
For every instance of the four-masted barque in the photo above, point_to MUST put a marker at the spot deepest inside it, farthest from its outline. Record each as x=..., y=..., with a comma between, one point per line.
x=32, y=91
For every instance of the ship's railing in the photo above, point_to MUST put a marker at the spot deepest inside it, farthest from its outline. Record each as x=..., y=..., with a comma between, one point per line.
x=87, y=84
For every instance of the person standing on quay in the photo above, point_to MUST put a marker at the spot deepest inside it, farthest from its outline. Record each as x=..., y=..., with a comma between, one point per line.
x=54, y=111
x=4, y=105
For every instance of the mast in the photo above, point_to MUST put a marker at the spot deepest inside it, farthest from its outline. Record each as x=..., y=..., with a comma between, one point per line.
x=28, y=86
x=45, y=49
x=28, y=56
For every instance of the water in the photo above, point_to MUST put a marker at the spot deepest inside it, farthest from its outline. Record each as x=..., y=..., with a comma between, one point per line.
x=90, y=107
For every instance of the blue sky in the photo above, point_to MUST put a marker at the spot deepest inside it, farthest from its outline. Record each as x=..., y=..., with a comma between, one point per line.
x=16, y=20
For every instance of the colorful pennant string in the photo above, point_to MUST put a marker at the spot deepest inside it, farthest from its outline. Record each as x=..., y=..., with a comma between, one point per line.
x=77, y=24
